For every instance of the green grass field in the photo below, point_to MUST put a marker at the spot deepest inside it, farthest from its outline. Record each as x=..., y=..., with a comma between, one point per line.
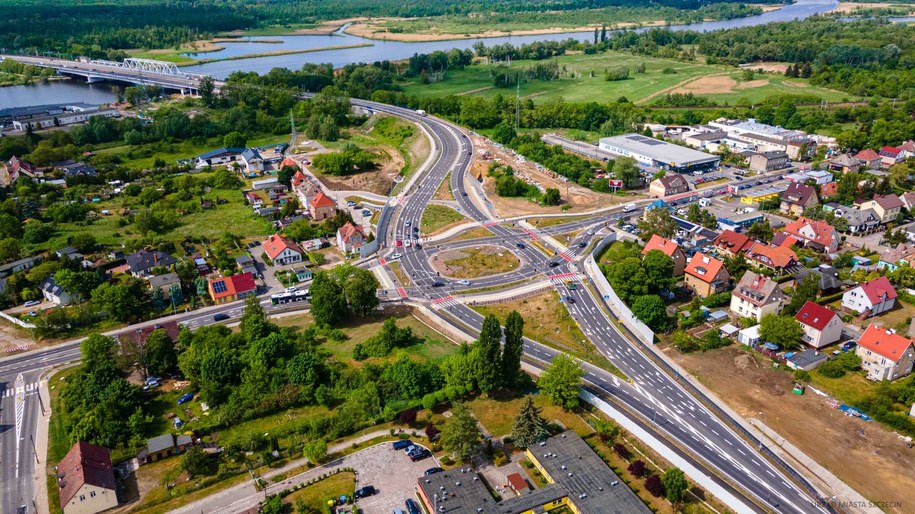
x=316, y=495
x=437, y=217
x=586, y=82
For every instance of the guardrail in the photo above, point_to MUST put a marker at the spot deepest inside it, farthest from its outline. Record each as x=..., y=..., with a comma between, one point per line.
x=645, y=337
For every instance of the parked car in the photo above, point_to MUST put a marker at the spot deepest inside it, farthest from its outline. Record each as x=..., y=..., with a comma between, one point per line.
x=364, y=492
x=412, y=507
x=366, y=212
x=397, y=511
x=410, y=449
x=221, y=317
x=420, y=455
x=32, y=303
x=432, y=471
x=403, y=443
x=351, y=203
x=849, y=346
x=186, y=398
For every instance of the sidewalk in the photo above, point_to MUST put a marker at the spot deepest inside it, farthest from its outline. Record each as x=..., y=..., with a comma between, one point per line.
x=41, y=443
x=244, y=496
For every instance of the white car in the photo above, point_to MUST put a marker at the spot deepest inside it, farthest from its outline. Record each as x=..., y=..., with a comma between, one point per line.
x=408, y=223
x=292, y=289
x=464, y=282
x=396, y=256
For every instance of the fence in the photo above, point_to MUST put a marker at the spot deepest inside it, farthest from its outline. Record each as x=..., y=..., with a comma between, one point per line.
x=16, y=321
x=617, y=307
x=380, y=233
x=645, y=336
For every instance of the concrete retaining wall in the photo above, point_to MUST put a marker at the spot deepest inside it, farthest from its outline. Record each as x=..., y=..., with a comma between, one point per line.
x=16, y=321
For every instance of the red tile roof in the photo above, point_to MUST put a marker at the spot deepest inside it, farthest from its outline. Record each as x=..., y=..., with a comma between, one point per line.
x=798, y=194
x=517, y=482
x=814, y=315
x=867, y=155
x=875, y=289
x=890, y=151
x=704, y=268
x=732, y=241
x=321, y=200
x=297, y=179
x=824, y=233
x=773, y=256
x=289, y=162
x=275, y=244
x=884, y=342
x=657, y=242
x=84, y=464
x=234, y=285
x=349, y=230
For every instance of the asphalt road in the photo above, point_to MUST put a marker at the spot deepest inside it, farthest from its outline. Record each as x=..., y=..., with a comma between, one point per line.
x=656, y=396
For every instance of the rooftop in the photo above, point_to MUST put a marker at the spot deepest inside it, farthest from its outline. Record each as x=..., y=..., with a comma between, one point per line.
x=884, y=342
x=657, y=150
x=84, y=464
x=814, y=315
x=703, y=267
x=666, y=246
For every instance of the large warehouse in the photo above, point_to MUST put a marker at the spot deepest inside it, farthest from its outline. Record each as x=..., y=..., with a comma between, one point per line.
x=659, y=154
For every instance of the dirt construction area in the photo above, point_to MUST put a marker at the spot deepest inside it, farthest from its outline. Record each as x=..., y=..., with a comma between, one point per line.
x=867, y=457
x=718, y=84
x=580, y=198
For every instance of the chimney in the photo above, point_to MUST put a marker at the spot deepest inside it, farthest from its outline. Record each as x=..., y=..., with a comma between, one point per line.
x=155, y=257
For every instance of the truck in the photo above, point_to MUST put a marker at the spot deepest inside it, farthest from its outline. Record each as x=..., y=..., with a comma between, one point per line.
x=420, y=112
x=628, y=207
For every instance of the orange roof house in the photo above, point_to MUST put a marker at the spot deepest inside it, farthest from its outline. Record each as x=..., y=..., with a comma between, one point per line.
x=322, y=207
x=775, y=258
x=731, y=243
x=885, y=355
x=668, y=248
x=229, y=289
x=706, y=275
x=282, y=250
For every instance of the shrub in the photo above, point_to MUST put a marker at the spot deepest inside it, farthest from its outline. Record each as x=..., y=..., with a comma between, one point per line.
x=407, y=417
x=654, y=486
x=638, y=469
x=622, y=451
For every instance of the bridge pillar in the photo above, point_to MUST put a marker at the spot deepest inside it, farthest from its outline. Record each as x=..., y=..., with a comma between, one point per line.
x=92, y=80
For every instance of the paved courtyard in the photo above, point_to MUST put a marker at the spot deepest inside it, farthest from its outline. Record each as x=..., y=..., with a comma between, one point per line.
x=391, y=473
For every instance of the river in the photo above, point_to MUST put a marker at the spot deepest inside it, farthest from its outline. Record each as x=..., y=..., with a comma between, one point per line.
x=380, y=50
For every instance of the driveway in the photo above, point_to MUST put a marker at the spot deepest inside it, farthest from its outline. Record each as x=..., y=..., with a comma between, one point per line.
x=391, y=473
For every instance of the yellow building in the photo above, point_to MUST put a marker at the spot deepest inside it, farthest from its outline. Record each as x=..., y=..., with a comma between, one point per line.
x=761, y=196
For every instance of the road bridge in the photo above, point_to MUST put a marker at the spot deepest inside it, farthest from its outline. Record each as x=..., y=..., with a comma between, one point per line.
x=142, y=72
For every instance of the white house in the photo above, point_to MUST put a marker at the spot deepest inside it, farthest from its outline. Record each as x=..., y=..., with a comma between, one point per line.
x=53, y=292
x=885, y=355
x=350, y=237
x=821, y=325
x=755, y=296
x=872, y=297
x=282, y=250
x=749, y=336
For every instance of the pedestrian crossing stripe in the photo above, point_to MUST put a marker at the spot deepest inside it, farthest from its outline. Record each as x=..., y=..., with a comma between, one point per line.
x=22, y=389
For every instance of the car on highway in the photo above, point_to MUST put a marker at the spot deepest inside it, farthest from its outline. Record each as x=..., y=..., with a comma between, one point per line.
x=32, y=303
x=396, y=256
x=432, y=471
x=582, y=244
x=412, y=507
x=438, y=283
x=553, y=264
x=398, y=243
x=570, y=300
x=571, y=285
x=364, y=492
x=292, y=289
x=186, y=398
x=464, y=193
x=221, y=317
x=408, y=223
x=417, y=246
x=464, y=282
x=520, y=246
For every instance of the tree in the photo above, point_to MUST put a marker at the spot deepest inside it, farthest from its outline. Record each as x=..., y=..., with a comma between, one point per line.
x=196, y=461
x=207, y=89
x=561, y=382
x=529, y=427
x=512, y=349
x=254, y=324
x=657, y=221
x=461, y=436
x=159, y=353
x=504, y=133
x=781, y=330
x=225, y=179
x=98, y=351
x=234, y=140
x=675, y=484
x=654, y=486
x=119, y=300
x=285, y=175
x=638, y=469
x=328, y=303
x=806, y=290
x=315, y=451
x=551, y=196
x=360, y=288
x=761, y=230
x=487, y=350
x=659, y=268
x=651, y=310
x=628, y=278
x=625, y=169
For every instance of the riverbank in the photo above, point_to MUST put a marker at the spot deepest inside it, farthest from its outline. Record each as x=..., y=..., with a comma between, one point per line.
x=274, y=53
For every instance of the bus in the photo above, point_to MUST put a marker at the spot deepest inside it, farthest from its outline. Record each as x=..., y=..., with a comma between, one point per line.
x=292, y=296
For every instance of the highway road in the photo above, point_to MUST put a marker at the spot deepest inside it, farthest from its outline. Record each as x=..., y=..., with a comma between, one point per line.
x=656, y=397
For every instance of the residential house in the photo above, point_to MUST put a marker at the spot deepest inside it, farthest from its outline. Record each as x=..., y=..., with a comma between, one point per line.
x=217, y=157
x=86, y=480
x=908, y=200
x=815, y=234
x=822, y=326
x=844, y=163
x=267, y=183
x=77, y=169
x=350, y=237
x=16, y=167
x=141, y=263
x=862, y=221
x=230, y=289
x=68, y=253
x=19, y=265
x=908, y=149
x=806, y=360
x=778, y=259
x=749, y=336
x=797, y=198
x=668, y=248
x=706, y=275
x=902, y=255
x=828, y=276
x=829, y=189
x=885, y=355
x=870, y=298
x=887, y=207
x=731, y=243
x=755, y=296
x=298, y=178
x=890, y=155
x=302, y=273
x=322, y=207
x=53, y=292
x=163, y=282
x=246, y=264
x=670, y=184
x=769, y=161
x=281, y=250
x=164, y=446
x=869, y=158
x=252, y=161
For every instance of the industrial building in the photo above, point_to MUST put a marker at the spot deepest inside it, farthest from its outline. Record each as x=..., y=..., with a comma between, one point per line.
x=660, y=154
x=577, y=479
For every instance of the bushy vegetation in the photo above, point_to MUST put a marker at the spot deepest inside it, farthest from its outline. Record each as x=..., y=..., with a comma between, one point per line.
x=351, y=159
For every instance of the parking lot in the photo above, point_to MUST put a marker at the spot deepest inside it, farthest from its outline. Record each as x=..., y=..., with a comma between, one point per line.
x=392, y=474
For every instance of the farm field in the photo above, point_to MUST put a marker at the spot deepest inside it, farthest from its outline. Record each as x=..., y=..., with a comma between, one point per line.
x=586, y=81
